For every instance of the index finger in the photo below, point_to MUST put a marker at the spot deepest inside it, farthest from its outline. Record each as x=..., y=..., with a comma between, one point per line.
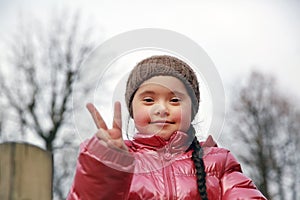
x=100, y=123
x=117, y=121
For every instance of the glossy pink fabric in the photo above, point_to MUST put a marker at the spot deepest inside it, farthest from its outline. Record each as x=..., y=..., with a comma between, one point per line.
x=157, y=169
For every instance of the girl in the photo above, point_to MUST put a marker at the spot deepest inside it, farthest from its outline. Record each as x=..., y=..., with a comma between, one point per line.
x=164, y=160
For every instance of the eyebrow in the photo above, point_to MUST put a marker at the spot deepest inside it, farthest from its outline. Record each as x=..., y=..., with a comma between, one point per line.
x=146, y=92
x=152, y=92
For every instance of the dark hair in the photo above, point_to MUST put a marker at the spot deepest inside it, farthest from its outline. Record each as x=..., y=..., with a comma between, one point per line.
x=197, y=157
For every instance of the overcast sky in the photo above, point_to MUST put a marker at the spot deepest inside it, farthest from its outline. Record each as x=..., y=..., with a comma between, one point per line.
x=237, y=35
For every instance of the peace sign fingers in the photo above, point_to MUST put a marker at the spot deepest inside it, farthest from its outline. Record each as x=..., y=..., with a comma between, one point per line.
x=100, y=123
x=113, y=137
x=117, y=121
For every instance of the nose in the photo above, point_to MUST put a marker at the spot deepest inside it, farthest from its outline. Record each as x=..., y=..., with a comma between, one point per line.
x=161, y=109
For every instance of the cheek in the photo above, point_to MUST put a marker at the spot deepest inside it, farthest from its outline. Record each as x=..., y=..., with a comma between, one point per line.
x=185, y=123
x=183, y=116
x=140, y=119
x=139, y=115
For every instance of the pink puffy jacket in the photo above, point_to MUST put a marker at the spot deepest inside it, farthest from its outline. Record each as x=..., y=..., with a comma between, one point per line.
x=157, y=169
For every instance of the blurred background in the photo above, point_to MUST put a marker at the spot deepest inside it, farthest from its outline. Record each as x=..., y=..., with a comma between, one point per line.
x=255, y=46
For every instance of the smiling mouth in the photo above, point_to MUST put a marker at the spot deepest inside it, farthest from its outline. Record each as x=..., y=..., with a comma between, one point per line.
x=161, y=122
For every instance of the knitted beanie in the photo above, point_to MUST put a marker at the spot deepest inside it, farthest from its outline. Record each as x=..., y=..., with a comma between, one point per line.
x=163, y=66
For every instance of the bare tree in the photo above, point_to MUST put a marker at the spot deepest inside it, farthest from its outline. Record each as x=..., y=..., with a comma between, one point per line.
x=266, y=124
x=37, y=82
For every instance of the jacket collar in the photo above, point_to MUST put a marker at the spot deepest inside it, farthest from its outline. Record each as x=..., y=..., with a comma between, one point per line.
x=178, y=141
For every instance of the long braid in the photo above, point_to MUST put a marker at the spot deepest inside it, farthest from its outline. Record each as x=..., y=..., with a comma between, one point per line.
x=199, y=164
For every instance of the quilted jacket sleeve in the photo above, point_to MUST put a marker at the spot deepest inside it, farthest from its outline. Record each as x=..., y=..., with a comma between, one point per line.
x=235, y=185
x=101, y=172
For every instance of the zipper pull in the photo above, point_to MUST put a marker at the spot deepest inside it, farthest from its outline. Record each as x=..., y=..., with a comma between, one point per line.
x=167, y=154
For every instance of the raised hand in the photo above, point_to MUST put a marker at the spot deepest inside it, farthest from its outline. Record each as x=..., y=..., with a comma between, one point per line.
x=113, y=137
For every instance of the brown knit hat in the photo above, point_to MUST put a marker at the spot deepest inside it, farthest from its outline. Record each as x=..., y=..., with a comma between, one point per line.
x=163, y=66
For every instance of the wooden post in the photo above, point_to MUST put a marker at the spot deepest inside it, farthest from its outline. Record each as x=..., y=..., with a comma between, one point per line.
x=25, y=172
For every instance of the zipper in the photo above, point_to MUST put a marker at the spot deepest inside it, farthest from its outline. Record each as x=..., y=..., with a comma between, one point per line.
x=167, y=174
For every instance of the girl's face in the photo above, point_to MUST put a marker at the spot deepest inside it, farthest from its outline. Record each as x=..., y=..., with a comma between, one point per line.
x=161, y=106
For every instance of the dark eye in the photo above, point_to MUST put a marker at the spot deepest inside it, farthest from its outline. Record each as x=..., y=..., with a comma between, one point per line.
x=148, y=99
x=175, y=100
